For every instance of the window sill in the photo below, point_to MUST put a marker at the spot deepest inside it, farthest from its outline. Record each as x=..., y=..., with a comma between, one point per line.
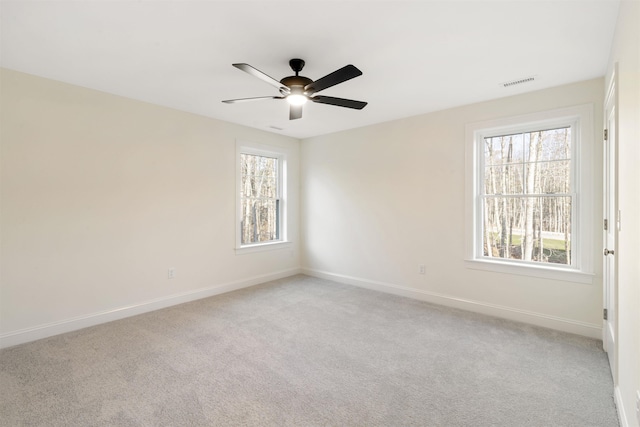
x=262, y=247
x=531, y=271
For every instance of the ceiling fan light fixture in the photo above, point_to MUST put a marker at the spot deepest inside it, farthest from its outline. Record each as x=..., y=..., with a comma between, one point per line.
x=297, y=96
x=296, y=99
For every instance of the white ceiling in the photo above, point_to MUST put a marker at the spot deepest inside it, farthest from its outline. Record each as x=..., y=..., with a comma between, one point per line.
x=416, y=56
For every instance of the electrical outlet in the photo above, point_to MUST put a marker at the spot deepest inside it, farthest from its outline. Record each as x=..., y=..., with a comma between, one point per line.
x=422, y=269
x=172, y=273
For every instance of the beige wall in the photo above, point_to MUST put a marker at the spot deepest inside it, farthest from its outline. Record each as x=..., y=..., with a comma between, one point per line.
x=626, y=53
x=102, y=194
x=381, y=200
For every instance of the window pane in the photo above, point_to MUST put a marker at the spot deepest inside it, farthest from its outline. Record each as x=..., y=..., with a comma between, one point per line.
x=259, y=176
x=503, y=222
x=553, y=244
x=547, y=177
x=503, y=179
x=505, y=149
x=556, y=144
x=259, y=220
x=545, y=145
x=554, y=177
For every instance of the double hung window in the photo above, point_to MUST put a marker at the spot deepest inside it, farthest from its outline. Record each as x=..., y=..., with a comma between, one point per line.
x=261, y=196
x=530, y=194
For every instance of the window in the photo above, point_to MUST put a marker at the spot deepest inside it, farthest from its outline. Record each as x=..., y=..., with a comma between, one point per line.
x=530, y=195
x=261, y=196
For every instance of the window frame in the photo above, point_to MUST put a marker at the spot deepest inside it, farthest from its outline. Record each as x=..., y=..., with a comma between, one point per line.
x=580, y=119
x=245, y=147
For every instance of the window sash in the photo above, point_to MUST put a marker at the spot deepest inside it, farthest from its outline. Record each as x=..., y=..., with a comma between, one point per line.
x=516, y=231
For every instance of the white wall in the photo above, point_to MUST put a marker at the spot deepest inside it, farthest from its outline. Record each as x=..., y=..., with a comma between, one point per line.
x=626, y=52
x=381, y=200
x=101, y=195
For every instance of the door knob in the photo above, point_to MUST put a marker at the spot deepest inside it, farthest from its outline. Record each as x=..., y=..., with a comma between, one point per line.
x=608, y=252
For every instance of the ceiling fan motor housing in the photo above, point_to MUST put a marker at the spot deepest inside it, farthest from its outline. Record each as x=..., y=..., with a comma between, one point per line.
x=296, y=81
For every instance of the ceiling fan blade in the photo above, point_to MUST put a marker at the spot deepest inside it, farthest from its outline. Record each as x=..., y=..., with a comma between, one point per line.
x=342, y=75
x=340, y=102
x=233, y=101
x=259, y=74
x=295, y=112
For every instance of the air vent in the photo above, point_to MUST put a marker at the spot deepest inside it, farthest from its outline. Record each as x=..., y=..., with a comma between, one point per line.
x=518, y=82
x=276, y=128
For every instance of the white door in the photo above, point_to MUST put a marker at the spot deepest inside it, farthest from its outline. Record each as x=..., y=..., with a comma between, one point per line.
x=610, y=226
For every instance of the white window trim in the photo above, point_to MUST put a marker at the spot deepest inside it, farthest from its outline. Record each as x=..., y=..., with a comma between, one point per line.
x=282, y=155
x=582, y=225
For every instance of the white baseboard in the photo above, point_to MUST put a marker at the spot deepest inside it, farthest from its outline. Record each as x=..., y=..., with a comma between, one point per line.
x=47, y=330
x=552, y=322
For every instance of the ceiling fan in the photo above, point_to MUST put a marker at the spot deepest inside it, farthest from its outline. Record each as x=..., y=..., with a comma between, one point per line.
x=297, y=90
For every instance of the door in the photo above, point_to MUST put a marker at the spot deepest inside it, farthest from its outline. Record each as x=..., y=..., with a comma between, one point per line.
x=610, y=226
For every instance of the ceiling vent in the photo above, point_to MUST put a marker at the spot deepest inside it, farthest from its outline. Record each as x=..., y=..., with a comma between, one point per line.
x=518, y=82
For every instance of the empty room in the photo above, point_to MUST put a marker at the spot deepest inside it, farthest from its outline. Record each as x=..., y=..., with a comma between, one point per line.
x=305, y=213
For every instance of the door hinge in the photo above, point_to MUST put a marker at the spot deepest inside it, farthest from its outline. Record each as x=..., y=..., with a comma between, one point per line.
x=606, y=225
x=606, y=134
x=604, y=314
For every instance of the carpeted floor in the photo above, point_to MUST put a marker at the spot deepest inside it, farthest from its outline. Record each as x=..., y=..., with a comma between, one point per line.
x=308, y=352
